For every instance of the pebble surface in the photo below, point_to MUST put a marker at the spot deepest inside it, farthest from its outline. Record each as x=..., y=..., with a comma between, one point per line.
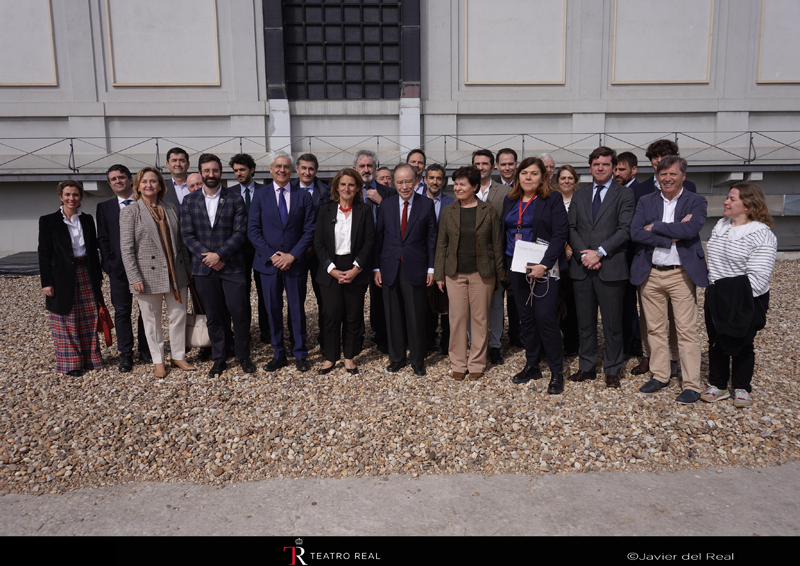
x=59, y=433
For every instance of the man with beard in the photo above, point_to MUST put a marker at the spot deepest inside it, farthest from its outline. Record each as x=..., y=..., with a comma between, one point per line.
x=436, y=180
x=214, y=228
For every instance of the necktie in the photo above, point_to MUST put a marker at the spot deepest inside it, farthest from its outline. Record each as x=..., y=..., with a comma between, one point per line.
x=596, y=202
x=126, y=202
x=282, y=209
x=247, y=199
x=403, y=224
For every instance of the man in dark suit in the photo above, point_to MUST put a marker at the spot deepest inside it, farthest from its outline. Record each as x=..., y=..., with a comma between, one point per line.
x=281, y=227
x=668, y=267
x=405, y=237
x=214, y=228
x=178, y=165
x=656, y=151
x=244, y=167
x=436, y=180
x=121, y=182
x=625, y=175
x=373, y=193
x=320, y=191
x=599, y=220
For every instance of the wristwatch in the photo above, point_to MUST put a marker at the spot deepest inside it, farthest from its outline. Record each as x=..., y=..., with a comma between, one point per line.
x=600, y=253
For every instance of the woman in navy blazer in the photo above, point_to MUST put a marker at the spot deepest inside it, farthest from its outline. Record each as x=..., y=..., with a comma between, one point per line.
x=343, y=241
x=532, y=212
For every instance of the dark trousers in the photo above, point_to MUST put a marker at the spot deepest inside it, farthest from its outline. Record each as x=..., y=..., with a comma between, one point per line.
x=538, y=320
x=513, y=317
x=295, y=287
x=590, y=293
x=263, y=319
x=631, y=336
x=377, y=317
x=122, y=301
x=719, y=363
x=405, y=318
x=224, y=301
x=432, y=326
x=313, y=267
x=569, y=316
x=342, y=303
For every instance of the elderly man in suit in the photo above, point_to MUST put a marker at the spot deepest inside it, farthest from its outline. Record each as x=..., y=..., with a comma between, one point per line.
x=405, y=237
x=492, y=192
x=435, y=181
x=121, y=182
x=373, y=194
x=214, y=228
x=668, y=267
x=281, y=227
x=599, y=221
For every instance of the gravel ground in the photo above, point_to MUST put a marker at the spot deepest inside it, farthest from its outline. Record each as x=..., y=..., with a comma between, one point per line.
x=59, y=433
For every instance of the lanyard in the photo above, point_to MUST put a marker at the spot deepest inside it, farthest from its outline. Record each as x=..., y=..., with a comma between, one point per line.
x=521, y=212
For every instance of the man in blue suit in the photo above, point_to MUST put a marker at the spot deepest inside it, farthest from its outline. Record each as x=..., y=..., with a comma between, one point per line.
x=121, y=182
x=405, y=244
x=214, y=228
x=668, y=267
x=435, y=181
x=625, y=175
x=244, y=167
x=281, y=227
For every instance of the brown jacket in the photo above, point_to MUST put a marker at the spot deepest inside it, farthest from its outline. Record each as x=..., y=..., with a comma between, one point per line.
x=488, y=235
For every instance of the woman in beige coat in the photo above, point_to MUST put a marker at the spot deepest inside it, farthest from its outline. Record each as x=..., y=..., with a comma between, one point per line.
x=156, y=263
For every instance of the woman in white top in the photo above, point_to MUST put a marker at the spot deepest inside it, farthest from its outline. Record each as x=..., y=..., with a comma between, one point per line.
x=343, y=243
x=566, y=181
x=741, y=244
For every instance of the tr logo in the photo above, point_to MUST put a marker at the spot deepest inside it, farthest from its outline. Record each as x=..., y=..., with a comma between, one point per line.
x=297, y=553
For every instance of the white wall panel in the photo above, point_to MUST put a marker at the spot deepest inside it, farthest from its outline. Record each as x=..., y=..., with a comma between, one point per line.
x=26, y=42
x=778, y=60
x=147, y=48
x=515, y=41
x=662, y=41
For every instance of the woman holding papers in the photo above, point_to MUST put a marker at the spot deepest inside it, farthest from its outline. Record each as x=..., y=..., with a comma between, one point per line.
x=469, y=260
x=532, y=213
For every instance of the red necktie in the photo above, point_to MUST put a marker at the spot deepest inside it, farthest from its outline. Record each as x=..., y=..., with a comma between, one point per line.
x=403, y=224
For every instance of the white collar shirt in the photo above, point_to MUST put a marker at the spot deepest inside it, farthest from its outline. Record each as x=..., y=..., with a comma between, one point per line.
x=75, y=233
x=212, y=204
x=121, y=201
x=484, y=194
x=668, y=256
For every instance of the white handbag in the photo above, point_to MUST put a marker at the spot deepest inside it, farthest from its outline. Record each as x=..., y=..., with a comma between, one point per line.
x=196, y=327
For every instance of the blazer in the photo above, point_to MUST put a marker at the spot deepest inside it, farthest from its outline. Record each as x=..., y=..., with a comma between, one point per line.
x=108, y=237
x=385, y=193
x=227, y=236
x=488, y=236
x=649, y=186
x=497, y=192
x=268, y=234
x=56, y=268
x=320, y=195
x=611, y=231
x=446, y=201
x=549, y=223
x=362, y=237
x=171, y=196
x=418, y=247
x=650, y=210
x=142, y=252
x=239, y=190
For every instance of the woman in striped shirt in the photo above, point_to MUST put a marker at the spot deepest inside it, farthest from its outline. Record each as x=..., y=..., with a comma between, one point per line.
x=741, y=244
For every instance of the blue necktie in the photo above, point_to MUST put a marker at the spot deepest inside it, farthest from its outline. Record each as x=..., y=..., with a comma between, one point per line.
x=596, y=202
x=282, y=207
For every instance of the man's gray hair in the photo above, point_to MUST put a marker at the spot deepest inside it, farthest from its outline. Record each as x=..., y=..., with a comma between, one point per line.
x=669, y=160
x=403, y=166
x=278, y=154
x=362, y=152
x=546, y=156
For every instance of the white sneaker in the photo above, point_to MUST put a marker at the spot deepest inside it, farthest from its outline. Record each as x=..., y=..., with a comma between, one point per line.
x=742, y=398
x=714, y=394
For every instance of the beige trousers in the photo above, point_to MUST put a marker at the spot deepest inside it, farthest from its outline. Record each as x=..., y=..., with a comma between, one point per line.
x=673, y=336
x=150, y=307
x=659, y=290
x=470, y=297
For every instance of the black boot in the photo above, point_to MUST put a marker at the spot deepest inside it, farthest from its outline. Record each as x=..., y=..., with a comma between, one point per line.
x=556, y=386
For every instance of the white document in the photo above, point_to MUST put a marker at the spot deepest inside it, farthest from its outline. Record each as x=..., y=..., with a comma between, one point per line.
x=526, y=252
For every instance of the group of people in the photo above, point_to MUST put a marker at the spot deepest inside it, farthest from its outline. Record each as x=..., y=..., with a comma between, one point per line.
x=429, y=260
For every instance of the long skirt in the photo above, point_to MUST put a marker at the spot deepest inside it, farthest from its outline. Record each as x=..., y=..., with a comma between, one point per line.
x=75, y=334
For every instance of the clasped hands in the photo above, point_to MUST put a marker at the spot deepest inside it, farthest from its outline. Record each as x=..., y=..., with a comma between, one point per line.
x=345, y=277
x=282, y=260
x=212, y=260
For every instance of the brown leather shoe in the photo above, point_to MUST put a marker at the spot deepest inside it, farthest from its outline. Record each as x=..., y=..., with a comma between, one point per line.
x=183, y=364
x=643, y=367
x=458, y=375
x=612, y=381
x=475, y=376
x=579, y=376
x=160, y=371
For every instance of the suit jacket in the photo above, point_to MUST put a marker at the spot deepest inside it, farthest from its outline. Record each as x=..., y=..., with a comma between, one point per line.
x=108, y=237
x=385, y=193
x=56, y=268
x=446, y=201
x=418, y=247
x=649, y=186
x=549, y=223
x=321, y=193
x=611, y=231
x=171, y=196
x=488, y=237
x=227, y=236
x=268, y=234
x=239, y=190
x=362, y=237
x=650, y=210
x=497, y=192
x=142, y=252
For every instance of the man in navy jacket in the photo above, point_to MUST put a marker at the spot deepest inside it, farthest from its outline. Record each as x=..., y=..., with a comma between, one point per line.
x=405, y=244
x=435, y=182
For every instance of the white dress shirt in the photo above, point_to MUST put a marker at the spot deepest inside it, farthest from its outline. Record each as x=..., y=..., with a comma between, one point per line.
x=75, y=233
x=483, y=195
x=668, y=256
x=212, y=203
x=121, y=201
x=342, y=234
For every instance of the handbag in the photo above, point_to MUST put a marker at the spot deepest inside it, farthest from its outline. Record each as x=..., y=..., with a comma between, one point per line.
x=437, y=300
x=104, y=323
x=196, y=327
